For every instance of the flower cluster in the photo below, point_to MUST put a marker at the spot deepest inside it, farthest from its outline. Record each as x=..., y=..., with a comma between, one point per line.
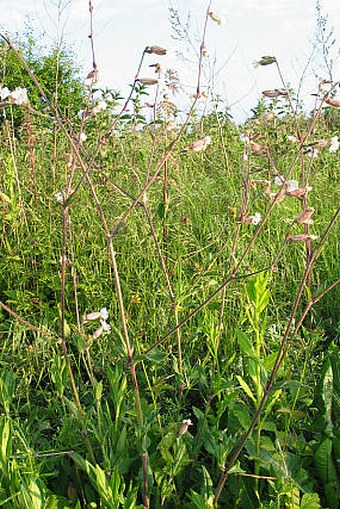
x=17, y=96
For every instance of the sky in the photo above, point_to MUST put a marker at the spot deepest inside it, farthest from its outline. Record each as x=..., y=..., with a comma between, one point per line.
x=249, y=30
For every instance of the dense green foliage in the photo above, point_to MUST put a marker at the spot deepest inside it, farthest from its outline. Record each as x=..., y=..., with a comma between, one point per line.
x=57, y=451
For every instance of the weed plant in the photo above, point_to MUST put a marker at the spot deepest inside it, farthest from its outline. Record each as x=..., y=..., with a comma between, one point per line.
x=169, y=316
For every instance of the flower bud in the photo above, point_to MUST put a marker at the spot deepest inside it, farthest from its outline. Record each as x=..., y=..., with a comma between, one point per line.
x=302, y=237
x=272, y=94
x=147, y=81
x=156, y=50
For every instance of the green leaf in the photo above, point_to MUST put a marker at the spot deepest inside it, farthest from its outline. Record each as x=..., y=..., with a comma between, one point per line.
x=4, y=197
x=246, y=388
x=245, y=344
x=269, y=361
x=157, y=356
x=6, y=441
x=242, y=415
x=30, y=495
x=324, y=462
x=310, y=501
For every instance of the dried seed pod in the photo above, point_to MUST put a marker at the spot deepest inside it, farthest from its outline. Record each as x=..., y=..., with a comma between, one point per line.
x=147, y=81
x=302, y=237
x=300, y=192
x=272, y=94
x=305, y=216
x=319, y=143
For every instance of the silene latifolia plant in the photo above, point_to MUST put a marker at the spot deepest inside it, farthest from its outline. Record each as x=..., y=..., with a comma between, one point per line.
x=210, y=378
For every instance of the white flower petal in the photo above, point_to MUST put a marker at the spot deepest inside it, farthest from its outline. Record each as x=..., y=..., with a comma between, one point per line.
x=104, y=315
x=4, y=93
x=292, y=185
x=59, y=197
x=106, y=327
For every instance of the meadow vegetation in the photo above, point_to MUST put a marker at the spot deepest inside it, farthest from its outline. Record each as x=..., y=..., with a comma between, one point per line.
x=169, y=311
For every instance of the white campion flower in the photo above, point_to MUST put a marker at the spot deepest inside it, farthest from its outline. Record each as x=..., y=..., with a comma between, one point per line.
x=279, y=180
x=19, y=96
x=4, y=93
x=101, y=106
x=64, y=259
x=255, y=219
x=103, y=315
x=334, y=146
x=97, y=95
x=83, y=137
x=292, y=185
x=244, y=138
x=292, y=139
x=104, y=328
x=184, y=426
x=59, y=197
x=313, y=154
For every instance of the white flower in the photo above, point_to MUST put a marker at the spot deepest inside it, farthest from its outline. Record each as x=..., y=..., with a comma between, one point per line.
x=104, y=327
x=244, y=138
x=255, y=219
x=19, y=96
x=66, y=260
x=313, y=154
x=279, y=180
x=184, y=427
x=104, y=314
x=292, y=185
x=82, y=136
x=4, y=93
x=292, y=139
x=334, y=146
x=80, y=114
x=95, y=315
x=101, y=106
x=97, y=95
x=59, y=197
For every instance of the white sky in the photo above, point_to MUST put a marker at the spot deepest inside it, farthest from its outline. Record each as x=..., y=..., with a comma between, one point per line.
x=251, y=28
